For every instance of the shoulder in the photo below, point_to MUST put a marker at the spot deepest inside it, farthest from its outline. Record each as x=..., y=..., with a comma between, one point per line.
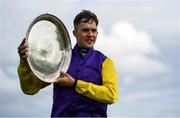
x=105, y=59
x=108, y=61
x=100, y=55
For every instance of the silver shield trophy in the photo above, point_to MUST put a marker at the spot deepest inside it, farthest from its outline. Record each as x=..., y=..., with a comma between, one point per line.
x=49, y=47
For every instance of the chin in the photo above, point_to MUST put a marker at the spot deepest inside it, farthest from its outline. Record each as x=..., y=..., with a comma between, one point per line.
x=88, y=46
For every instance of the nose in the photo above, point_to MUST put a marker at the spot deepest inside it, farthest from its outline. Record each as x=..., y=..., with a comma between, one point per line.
x=90, y=33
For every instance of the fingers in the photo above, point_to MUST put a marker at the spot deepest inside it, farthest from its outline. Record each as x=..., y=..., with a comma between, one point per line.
x=22, y=50
x=63, y=73
x=21, y=47
x=60, y=80
x=23, y=53
x=63, y=76
x=65, y=80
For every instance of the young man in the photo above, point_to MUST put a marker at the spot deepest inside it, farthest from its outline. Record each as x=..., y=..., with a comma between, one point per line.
x=90, y=83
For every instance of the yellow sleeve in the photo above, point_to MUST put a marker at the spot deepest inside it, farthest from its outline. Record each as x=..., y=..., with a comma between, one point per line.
x=108, y=91
x=30, y=84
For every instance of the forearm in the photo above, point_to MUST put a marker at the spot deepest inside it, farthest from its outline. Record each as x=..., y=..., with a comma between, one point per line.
x=30, y=84
x=101, y=93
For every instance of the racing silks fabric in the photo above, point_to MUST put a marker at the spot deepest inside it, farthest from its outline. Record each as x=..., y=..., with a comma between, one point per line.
x=96, y=86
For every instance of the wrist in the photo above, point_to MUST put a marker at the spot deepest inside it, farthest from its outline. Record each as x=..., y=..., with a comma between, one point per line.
x=23, y=61
x=74, y=84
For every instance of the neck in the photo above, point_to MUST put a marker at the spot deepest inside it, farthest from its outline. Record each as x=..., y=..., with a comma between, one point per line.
x=83, y=50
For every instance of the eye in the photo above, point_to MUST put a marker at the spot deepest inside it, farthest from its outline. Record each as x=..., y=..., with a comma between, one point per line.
x=94, y=30
x=88, y=30
x=85, y=30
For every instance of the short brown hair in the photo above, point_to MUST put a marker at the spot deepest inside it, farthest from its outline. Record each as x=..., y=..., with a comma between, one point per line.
x=87, y=15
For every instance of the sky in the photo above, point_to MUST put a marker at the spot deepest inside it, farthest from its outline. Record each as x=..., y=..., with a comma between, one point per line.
x=141, y=36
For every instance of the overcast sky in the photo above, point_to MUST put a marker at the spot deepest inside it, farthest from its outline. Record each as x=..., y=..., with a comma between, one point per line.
x=141, y=36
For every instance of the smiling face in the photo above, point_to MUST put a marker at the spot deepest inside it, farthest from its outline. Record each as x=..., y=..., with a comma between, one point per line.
x=86, y=34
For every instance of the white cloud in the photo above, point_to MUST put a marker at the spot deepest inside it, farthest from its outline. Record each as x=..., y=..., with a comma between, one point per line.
x=132, y=41
x=130, y=49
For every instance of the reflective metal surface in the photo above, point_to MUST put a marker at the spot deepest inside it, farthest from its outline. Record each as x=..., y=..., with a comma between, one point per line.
x=49, y=47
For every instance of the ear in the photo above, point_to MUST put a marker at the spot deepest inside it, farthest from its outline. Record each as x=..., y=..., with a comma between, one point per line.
x=74, y=33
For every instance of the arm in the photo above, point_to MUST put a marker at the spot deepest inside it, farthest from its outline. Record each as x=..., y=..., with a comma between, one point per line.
x=108, y=91
x=30, y=84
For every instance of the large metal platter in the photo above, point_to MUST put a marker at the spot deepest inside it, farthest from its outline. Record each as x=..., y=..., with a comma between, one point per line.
x=49, y=47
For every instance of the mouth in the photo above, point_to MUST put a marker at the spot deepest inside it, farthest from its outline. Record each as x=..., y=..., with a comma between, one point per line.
x=89, y=41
